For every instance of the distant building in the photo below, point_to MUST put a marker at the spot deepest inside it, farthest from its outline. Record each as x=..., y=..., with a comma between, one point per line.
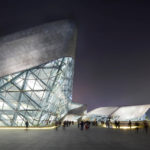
x=36, y=74
x=75, y=112
x=124, y=113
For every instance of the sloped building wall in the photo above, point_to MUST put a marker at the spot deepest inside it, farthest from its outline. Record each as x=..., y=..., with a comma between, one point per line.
x=37, y=74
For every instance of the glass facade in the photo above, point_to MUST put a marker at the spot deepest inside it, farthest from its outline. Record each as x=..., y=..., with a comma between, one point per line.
x=39, y=95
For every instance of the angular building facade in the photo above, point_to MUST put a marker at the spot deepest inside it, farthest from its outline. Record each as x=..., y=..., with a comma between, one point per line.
x=37, y=74
x=133, y=113
x=101, y=113
x=124, y=113
x=76, y=111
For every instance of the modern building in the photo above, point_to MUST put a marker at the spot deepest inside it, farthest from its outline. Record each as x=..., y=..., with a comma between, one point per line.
x=76, y=111
x=101, y=113
x=36, y=74
x=133, y=113
x=124, y=113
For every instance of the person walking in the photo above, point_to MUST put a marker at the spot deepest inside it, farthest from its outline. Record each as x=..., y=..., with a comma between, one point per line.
x=107, y=123
x=56, y=124
x=137, y=127
x=64, y=125
x=145, y=124
x=116, y=124
x=130, y=124
x=82, y=125
x=78, y=124
x=27, y=124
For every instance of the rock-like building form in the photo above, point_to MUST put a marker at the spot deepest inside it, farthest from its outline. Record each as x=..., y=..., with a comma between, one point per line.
x=124, y=113
x=37, y=74
x=75, y=112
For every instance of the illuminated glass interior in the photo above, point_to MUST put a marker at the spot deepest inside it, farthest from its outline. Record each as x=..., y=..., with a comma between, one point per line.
x=39, y=95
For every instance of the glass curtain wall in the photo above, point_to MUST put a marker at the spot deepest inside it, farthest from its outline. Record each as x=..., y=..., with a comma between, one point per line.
x=39, y=95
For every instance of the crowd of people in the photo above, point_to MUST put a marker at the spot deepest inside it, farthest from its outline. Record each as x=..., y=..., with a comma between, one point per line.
x=81, y=124
x=136, y=124
x=86, y=124
x=63, y=124
x=68, y=123
x=139, y=125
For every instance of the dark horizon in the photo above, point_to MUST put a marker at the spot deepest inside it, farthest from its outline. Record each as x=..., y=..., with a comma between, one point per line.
x=112, y=53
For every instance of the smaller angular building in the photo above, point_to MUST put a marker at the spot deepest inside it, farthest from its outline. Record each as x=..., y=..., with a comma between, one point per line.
x=76, y=111
x=124, y=113
x=100, y=113
x=36, y=74
x=133, y=113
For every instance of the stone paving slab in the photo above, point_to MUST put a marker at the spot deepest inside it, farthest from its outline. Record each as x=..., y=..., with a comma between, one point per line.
x=74, y=139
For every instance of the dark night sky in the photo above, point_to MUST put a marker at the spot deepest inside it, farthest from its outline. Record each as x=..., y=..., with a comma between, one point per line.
x=113, y=46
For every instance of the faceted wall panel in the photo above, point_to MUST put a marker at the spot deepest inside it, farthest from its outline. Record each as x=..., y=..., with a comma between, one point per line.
x=37, y=45
x=124, y=113
x=39, y=95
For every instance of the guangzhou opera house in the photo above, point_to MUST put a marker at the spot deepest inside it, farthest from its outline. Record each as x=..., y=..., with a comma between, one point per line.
x=124, y=113
x=36, y=74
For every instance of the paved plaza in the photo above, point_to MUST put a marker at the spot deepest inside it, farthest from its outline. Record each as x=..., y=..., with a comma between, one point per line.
x=72, y=138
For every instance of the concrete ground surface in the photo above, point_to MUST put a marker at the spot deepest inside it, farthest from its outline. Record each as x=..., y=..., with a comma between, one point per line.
x=72, y=138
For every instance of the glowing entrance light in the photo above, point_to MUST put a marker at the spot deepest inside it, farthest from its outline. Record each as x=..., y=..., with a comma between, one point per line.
x=125, y=127
x=30, y=128
x=121, y=127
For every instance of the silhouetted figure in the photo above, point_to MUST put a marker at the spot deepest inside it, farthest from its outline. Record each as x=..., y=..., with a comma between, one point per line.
x=102, y=123
x=95, y=122
x=118, y=123
x=56, y=124
x=107, y=123
x=137, y=127
x=130, y=124
x=63, y=125
x=92, y=123
x=67, y=123
x=78, y=124
x=87, y=125
x=27, y=124
x=145, y=124
x=115, y=123
x=82, y=125
x=59, y=123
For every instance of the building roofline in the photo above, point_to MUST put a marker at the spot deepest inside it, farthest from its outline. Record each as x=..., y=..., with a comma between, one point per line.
x=38, y=45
